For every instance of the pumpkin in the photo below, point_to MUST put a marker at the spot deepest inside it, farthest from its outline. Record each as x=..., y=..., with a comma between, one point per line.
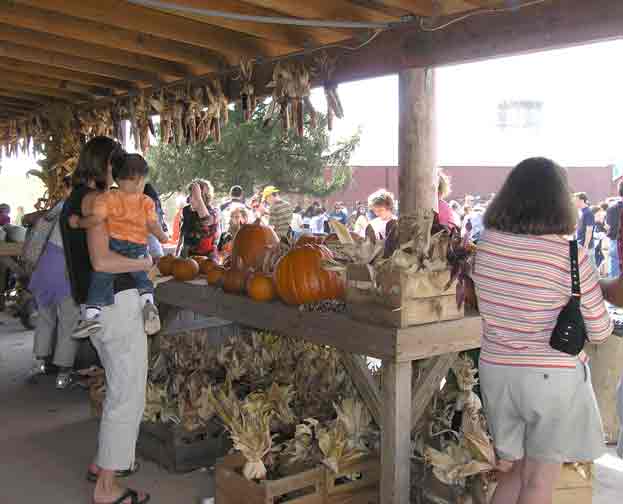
x=252, y=244
x=260, y=287
x=165, y=265
x=199, y=259
x=234, y=281
x=185, y=269
x=300, y=278
x=206, y=266
x=215, y=275
x=309, y=239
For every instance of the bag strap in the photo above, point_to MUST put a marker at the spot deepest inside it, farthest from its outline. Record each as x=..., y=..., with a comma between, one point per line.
x=575, y=269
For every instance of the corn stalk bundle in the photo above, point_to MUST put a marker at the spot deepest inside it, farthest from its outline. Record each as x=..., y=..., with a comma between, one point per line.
x=324, y=68
x=291, y=85
x=248, y=99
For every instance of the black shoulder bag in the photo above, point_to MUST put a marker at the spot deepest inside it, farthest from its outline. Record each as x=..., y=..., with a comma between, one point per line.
x=569, y=335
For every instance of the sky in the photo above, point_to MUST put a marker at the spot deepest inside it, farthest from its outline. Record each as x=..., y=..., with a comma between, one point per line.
x=581, y=91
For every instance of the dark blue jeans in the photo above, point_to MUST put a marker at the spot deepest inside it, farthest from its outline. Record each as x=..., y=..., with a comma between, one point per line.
x=101, y=287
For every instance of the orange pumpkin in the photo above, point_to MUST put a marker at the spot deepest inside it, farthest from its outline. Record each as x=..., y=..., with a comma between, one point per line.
x=185, y=269
x=309, y=239
x=260, y=287
x=252, y=244
x=199, y=259
x=300, y=278
x=234, y=281
x=165, y=265
x=206, y=266
x=215, y=275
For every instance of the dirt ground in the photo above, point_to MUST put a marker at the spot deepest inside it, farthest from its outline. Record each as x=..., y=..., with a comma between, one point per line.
x=47, y=439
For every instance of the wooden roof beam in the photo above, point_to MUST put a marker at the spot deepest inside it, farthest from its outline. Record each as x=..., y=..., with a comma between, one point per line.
x=232, y=45
x=418, y=7
x=16, y=102
x=61, y=84
x=43, y=91
x=31, y=38
x=22, y=95
x=289, y=35
x=76, y=63
x=11, y=64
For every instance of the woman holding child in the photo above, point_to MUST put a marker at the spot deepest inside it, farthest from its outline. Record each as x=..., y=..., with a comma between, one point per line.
x=120, y=337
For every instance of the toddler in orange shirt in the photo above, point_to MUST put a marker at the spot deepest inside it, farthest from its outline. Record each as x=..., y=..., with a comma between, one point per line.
x=131, y=217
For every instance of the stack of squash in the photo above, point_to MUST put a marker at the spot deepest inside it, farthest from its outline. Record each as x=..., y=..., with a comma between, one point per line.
x=297, y=278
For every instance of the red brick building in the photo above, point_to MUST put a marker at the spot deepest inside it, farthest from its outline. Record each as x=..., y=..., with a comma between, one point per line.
x=596, y=181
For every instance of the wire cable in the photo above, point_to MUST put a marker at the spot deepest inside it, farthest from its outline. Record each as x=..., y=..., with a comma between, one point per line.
x=314, y=23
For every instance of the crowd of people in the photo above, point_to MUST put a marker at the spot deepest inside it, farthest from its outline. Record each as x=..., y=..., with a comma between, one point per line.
x=539, y=401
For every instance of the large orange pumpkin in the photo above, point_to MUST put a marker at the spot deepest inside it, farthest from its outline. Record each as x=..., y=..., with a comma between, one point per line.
x=215, y=275
x=300, y=278
x=234, y=281
x=165, y=265
x=260, y=287
x=185, y=269
x=251, y=245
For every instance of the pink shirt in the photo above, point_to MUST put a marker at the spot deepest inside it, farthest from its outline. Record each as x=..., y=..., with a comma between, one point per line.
x=447, y=216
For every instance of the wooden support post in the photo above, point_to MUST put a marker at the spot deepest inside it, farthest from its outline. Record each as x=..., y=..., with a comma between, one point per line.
x=396, y=433
x=417, y=148
x=365, y=384
x=428, y=384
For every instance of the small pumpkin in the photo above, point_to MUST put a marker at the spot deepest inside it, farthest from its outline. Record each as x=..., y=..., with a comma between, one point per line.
x=165, y=265
x=252, y=244
x=185, y=269
x=215, y=275
x=234, y=281
x=300, y=278
x=206, y=266
x=260, y=287
x=309, y=239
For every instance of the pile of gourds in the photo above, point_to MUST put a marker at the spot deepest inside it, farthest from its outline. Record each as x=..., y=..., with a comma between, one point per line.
x=262, y=267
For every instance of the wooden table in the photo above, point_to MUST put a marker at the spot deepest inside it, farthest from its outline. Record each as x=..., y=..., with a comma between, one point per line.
x=396, y=409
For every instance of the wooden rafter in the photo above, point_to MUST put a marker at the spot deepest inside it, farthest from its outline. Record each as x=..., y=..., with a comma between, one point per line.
x=55, y=43
x=233, y=45
x=325, y=9
x=41, y=90
x=10, y=64
x=16, y=102
x=75, y=63
x=22, y=95
x=52, y=83
x=419, y=7
x=289, y=35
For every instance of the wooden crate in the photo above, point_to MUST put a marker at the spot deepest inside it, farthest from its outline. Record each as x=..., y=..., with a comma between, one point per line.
x=179, y=451
x=401, y=300
x=573, y=488
x=315, y=486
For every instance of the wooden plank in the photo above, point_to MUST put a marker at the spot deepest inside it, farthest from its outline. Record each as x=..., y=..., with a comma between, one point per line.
x=421, y=342
x=428, y=384
x=419, y=7
x=11, y=64
x=417, y=145
x=23, y=95
x=396, y=433
x=7, y=83
x=75, y=63
x=52, y=83
x=332, y=329
x=88, y=50
x=233, y=45
x=366, y=385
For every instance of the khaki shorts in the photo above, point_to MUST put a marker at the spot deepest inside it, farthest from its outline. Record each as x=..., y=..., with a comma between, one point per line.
x=549, y=415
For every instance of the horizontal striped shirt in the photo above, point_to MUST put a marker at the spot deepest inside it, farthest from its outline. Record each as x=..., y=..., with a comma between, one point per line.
x=280, y=216
x=522, y=283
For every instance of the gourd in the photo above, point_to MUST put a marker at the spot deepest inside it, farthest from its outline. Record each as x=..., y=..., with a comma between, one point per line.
x=260, y=287
x=300, y=278
x=165, y=265
x=185, y=269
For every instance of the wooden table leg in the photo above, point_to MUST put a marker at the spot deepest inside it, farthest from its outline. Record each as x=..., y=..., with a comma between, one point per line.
x=396, y=433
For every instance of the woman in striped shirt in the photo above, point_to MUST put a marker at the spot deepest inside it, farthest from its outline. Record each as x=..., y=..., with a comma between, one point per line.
x=539, y=402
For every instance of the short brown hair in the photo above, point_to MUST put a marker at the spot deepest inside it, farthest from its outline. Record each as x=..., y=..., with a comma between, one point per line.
x=533, y=200
x=582, y=196
x=381, y=198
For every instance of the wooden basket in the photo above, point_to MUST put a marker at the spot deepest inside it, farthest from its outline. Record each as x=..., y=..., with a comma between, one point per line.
x=314, y=486
x=396, y=299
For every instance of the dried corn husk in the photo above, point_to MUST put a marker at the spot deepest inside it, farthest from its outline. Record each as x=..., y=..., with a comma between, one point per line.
x=248, y=100
x=324, y=68
x=336, y=447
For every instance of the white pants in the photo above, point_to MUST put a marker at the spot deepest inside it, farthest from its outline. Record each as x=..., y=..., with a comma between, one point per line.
x=55, y=325
x=122, y=348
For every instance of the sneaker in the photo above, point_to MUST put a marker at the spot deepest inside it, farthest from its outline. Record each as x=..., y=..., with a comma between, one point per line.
x=87, y=328
x=151, y=319
x=63, y=380
x=38, y=367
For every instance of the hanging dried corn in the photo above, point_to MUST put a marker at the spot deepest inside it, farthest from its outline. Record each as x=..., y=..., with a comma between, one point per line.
x=178, y=119
x=141, y=122
x=117, y=113
x=164, y=109
x=324, y=68
x=292, y=85
x=248, y=100
x=213, y=112
x=192, y=109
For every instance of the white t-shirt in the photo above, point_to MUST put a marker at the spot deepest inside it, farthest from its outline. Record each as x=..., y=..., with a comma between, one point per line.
x=379, y=226
x=297, y=223
x=317, y=224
